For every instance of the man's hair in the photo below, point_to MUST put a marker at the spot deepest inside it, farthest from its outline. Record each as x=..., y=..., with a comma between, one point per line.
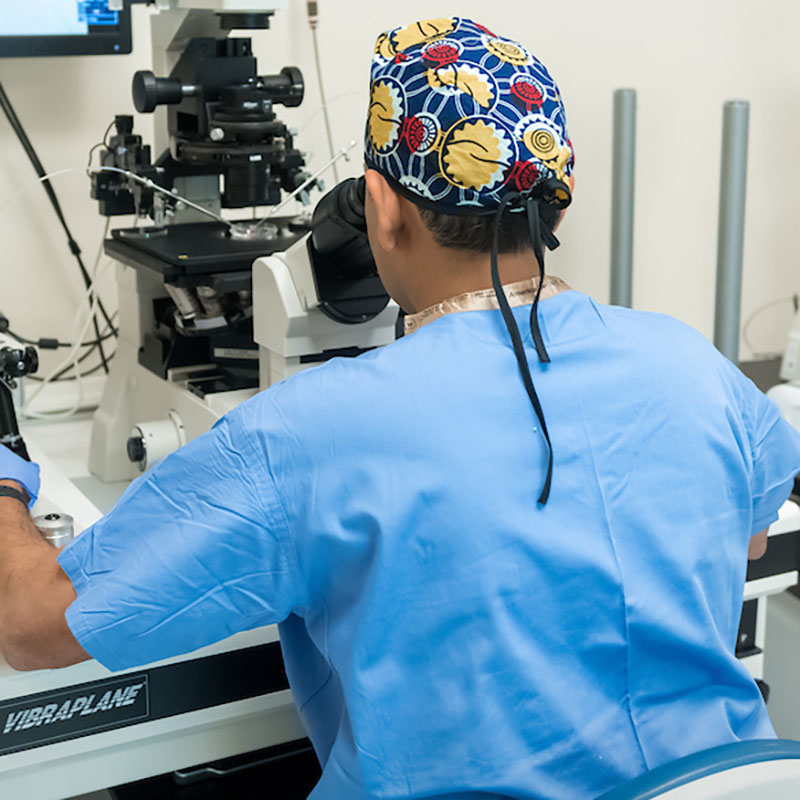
x=475, y=232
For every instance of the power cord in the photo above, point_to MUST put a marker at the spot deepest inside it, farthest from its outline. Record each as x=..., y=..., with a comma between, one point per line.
x=794, y=299
x=74, y=248
x=313, y=20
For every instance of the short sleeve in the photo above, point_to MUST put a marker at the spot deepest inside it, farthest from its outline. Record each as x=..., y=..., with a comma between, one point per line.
x=776, y=457
x=195, y=551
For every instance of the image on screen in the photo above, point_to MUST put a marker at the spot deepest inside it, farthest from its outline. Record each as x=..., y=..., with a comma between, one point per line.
x=63, y=27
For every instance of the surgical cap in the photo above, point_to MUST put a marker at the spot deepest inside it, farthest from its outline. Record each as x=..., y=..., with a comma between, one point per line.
x=459, y=116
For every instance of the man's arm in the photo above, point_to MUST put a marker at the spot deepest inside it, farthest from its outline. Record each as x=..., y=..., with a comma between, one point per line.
x=196, y=550
x=758, y=545
x=34, y=594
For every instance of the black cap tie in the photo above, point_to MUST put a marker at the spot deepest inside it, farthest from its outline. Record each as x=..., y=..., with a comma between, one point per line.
x=540, y=237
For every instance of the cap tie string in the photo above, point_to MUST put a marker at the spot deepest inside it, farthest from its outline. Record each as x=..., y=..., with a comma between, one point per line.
x=532, y=211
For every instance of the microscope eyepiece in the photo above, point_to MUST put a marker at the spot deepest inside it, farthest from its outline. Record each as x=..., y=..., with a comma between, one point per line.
x=339, y=229
x=346, y=274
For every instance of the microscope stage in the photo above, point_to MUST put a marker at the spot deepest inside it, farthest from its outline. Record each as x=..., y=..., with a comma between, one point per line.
x=184, y=255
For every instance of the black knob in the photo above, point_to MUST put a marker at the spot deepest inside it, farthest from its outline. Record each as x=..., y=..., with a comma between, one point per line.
x=149, y=91
x=137, y=452
x=124, y=124
x=31, y=360
x=287, y=88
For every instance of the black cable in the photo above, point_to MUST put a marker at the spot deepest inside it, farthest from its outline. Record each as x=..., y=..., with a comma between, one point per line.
x=59, y=375
x=53, y=344
x=27, y=146
x=18, y=129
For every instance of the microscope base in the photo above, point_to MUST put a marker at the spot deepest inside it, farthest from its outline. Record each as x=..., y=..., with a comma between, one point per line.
x=134, y=395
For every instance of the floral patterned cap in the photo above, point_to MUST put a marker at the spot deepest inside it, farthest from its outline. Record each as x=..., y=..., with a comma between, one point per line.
x=459, y=117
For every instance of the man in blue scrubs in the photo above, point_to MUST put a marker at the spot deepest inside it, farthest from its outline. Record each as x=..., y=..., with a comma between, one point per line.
x=508, y=551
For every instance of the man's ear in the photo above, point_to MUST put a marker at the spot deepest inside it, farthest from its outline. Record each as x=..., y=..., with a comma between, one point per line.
x=386, y=204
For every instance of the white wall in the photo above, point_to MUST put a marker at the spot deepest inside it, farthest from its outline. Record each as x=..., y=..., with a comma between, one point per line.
x=684, y=57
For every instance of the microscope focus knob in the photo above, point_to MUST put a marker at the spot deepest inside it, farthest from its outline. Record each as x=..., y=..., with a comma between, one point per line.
x=137, y=453
x=149, y=91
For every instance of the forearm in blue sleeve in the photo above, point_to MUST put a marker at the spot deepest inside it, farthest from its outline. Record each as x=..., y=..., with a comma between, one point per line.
x=194, y=552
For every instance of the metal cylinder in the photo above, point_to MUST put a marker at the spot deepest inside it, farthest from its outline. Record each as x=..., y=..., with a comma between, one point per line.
x=56, y=529
x=730, y=236
x=213, y=301
x=622, y=197
x=151, y=441
x=186, y=301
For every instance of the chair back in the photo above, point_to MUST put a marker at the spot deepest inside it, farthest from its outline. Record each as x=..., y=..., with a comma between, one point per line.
x=763, y=769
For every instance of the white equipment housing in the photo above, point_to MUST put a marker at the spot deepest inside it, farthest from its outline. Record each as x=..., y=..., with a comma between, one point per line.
x=289, y=325
x=134, y=396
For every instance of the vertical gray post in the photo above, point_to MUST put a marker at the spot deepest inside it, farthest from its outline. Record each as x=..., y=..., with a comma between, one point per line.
x=730, y=237
x=622, y=187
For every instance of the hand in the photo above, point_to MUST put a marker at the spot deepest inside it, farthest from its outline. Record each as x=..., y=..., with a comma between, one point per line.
x=25, y=473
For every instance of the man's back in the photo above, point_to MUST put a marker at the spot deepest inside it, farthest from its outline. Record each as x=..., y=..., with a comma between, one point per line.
x=484, y=642
x=445, y=635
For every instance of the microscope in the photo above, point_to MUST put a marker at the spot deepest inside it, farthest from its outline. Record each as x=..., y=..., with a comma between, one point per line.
x=211, y=310
x=201, y=329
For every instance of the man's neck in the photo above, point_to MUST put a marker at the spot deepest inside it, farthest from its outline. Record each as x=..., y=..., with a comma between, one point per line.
x=469, y=272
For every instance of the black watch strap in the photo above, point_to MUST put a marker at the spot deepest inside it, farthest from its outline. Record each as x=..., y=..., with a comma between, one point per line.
x=22, y=496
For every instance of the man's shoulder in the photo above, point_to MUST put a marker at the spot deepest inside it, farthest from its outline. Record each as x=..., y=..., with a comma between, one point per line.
x=332, y=392
x=663, y=339
x=658, y=325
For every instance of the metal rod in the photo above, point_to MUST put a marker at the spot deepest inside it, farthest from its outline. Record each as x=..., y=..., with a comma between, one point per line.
x=326, y=116
x=343, y=153
x=730, y=237
x=622, y=196
x=156, y=188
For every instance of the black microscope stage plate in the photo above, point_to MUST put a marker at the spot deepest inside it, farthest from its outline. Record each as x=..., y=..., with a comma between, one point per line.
x=185, y=254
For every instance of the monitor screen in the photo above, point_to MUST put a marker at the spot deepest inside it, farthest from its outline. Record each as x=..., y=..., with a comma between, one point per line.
x=63, y=28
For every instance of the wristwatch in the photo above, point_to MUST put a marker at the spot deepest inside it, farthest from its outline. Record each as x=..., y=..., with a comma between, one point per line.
x=22, y=496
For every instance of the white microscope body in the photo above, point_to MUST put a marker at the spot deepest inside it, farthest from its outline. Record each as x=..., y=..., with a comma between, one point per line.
x=146, y=412
x=291, y=329
x=70, y=731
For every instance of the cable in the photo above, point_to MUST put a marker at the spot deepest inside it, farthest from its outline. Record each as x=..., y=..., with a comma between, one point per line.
x=794, y=299
x=232, y=226
x=44, y=343
x=343, y=153
x=308, y=120
x=27, y=146
x=72, y=359
x=156, y=188
x=313, y=19
x=102, y=143
x=24, y=188
x=62, y=375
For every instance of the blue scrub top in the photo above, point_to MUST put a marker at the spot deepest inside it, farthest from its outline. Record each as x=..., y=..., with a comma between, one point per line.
x=444, y=635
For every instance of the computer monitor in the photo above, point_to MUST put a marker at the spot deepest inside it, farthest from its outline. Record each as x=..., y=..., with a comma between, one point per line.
x=63, y=28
